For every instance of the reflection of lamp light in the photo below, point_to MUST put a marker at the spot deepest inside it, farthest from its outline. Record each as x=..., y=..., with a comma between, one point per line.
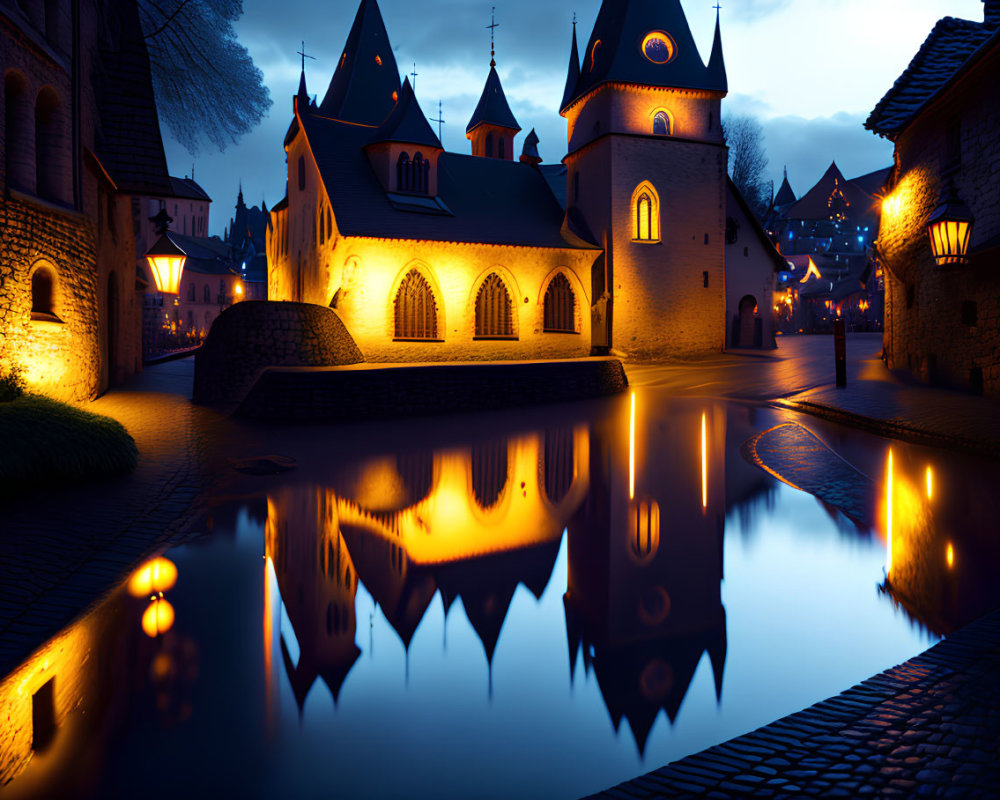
x=158, y=575
x=166, y=260
x=950, y=229
x=158, y=618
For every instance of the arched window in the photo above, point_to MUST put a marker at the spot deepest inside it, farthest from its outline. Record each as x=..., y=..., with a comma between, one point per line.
x=494, y=315
x=403, y=172
x=302, y=173
x=191, y=292
x=489, y=145
x=559, y=460
x=416, y=310
x=661, y=124
x=489, y=473
x=503, y=143
x=645, y=214
x=43, y=285
x=559, y=306
x=417, y=182
x=51, y=162
x=207, y=294
x=644, y=530
x=17, y=108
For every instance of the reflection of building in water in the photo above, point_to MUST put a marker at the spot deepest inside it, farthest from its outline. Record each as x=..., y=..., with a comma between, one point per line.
x=645, y=560
x=941, y=550
x=748, y=489
x=318, y=583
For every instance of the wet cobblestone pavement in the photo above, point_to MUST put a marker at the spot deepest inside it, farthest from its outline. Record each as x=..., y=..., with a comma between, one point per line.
x=927, y=728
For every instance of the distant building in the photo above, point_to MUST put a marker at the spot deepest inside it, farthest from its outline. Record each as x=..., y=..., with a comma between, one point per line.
x=247, y=240
x=826, y=237
x=943, y=114
x=79, y=139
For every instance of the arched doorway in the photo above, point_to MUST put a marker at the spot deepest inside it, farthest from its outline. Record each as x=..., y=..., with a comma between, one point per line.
x=748, y=322
x=112, y=327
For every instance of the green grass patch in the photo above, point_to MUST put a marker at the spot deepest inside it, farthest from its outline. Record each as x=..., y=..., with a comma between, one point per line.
x=44, y=442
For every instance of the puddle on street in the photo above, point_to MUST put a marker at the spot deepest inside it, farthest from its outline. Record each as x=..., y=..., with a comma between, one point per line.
x=536, y=604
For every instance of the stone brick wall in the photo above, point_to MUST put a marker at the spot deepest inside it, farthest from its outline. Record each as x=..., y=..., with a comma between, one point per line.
x=250, y=336
x=338, y=395
x=60, y=358
x=931, y=329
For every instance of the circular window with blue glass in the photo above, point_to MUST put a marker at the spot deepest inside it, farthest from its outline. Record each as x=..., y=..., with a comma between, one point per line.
x=659, y=47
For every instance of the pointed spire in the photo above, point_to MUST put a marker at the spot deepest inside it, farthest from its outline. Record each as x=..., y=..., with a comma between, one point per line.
x=785, y=194
x=529, y=154
x=493, y=108
x=717, y=64
x=407, y=122
x=573, y=74
x=366, y=85
x=303, y=93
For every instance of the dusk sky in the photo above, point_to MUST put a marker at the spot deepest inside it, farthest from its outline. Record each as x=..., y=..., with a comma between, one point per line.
x=811, y=70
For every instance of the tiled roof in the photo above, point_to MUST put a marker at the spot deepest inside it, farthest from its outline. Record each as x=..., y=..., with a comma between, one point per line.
x=127, y=138
x=874, y=182
x=487, y=200
x=187, y=189
x=493, y=108
x=206, y=256
x=941, y=57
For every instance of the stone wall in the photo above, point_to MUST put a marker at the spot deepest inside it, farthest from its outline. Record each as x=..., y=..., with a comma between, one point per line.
x=943, y=323
x=60, y=356
x=347, y=394
x=248, y=337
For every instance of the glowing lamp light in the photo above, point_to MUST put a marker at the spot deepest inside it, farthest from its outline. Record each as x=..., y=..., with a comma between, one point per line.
x=950, y=230
x=239, y=289
x=166, y=260
x=158, y=618
x=158, y=575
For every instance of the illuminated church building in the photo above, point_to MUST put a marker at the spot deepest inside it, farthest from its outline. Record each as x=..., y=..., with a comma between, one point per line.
x=430, y=255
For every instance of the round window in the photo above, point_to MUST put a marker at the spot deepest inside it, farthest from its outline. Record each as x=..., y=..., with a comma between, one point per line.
x=658, y=47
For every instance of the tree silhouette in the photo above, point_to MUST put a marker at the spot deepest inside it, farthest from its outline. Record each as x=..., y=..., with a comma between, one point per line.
x=748, y=160
x=206, y=84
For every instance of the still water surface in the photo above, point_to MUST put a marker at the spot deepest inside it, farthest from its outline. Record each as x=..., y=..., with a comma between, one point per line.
x=538, y=606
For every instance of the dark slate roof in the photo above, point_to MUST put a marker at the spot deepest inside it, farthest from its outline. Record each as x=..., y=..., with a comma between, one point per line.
x=874, y=182
x=942, y=56
x=717, y=63
x=206, y=256
x=188, y=189
x=735, y=196
x=785, y=194
x=555, y=176
x=362, y=89
x=493, y=108
x=814, y=203
x=486, y=200
x=573, y=73
x=614, y=53
x=407, y=123
x=127, y=136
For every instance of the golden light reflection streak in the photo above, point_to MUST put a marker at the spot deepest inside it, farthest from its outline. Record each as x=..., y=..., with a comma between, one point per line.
x=930, y=483
x=631, y=451
x=888, y=518
x=269, y=579
x=704, y=461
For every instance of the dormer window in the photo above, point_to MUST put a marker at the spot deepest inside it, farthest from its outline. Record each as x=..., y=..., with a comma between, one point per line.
x=413, y=176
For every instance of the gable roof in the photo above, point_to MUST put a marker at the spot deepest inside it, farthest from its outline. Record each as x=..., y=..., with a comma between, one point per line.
x=366, y=84
x=815, y=204
x=614, y=53
x=188, y=189
x=483, y=200
x=873, y=182
x=407, y=123
x=493, y=108
x=785, y=194
x=941, y=57
x=734, y=195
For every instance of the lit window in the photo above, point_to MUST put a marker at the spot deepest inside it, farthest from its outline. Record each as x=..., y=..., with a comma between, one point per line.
x=661, y=124
x=416, y=310
x=494, y=313
x=659, y=47
x=645, y=214
x=560, y=307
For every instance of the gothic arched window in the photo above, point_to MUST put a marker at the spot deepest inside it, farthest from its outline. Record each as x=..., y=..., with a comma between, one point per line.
x=489, y=472
x=418, y=182
x=50, y=159
x=559, y=306
x=43, y=284
x=206, y=294
x=416, y=310
x=645, y=214
x=503, y=142
x=494, y=314
x=661, y=124
x=403, y=172
x=489, y=145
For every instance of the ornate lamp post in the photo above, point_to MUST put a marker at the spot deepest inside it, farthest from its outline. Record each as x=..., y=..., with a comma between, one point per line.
x=166, y=259
x=950, y=230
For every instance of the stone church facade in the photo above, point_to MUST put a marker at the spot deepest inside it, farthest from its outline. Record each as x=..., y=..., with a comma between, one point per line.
x=428, y=255
x=79, y=136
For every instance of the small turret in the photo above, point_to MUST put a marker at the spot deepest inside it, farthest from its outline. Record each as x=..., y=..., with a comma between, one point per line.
x=493, y=127
x=529, y=153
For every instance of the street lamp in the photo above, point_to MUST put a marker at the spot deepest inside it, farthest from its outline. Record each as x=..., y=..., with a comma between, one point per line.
x=950, y=229
x=166, y=260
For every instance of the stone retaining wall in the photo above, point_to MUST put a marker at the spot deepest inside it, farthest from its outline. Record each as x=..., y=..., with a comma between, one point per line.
x=344, y=394
x=251, y=336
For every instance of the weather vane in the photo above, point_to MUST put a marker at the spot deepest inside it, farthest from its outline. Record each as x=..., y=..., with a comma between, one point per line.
x=493, y=28
x=302, y=53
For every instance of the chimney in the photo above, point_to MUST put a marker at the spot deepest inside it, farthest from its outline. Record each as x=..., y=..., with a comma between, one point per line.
x=992, y=13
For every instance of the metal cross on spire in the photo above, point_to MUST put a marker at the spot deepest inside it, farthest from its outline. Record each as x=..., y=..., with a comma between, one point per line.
x=492, y=27
x=574, y=20
x=302, y=53
x=414, y=75
x=717, y=7
x=440, y=119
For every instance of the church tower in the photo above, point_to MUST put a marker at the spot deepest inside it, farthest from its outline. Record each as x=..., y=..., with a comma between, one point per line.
x=646, y=173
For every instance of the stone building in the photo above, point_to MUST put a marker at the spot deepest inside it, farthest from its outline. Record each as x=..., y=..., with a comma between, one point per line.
x=430, y=255
x=80, y=137
x=942, y=114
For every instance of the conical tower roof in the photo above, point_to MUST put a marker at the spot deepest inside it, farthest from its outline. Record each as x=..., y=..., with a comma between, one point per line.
x=573, y=74
x=407, y=123
x=785, y=194
x=643, y=42
x=493, y=108
x=365, y=86
x=717, y=64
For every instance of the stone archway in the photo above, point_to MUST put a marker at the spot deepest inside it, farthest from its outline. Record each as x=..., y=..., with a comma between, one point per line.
x=748, y=322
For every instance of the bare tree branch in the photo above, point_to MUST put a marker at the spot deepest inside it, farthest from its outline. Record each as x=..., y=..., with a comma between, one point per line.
x=748, y=160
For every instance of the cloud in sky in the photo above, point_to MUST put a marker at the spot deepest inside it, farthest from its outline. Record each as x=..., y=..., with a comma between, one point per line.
x=810, y=70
